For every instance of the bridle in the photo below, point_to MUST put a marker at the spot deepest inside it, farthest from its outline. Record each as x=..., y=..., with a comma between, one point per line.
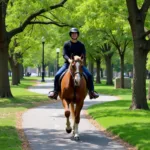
x=73, y=74
x=76, y=72
x=81, y=74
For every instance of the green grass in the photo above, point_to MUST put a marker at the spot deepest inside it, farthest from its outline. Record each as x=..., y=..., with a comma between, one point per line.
x=133, y=126
x=23, y=99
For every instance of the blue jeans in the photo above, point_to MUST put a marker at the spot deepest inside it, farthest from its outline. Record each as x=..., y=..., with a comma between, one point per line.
x=65, y=67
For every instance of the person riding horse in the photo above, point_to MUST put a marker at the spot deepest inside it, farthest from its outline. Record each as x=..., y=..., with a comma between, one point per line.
x=74, y=47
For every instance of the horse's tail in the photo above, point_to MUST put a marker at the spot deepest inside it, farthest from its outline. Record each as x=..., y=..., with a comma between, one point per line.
x=72, y=110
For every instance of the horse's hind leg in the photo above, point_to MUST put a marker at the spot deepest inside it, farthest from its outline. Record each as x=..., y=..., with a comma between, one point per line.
x=67, y=115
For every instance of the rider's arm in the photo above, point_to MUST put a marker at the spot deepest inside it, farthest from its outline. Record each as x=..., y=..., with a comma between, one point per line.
x=66, y=52
x=84, y=54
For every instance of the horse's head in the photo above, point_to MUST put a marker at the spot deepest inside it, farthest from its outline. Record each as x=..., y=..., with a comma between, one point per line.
x=76, y=69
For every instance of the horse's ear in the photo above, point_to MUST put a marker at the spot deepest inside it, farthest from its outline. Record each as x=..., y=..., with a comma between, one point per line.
x=82, y=57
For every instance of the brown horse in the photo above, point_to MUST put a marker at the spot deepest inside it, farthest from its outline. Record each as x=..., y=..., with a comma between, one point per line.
x=73, y=92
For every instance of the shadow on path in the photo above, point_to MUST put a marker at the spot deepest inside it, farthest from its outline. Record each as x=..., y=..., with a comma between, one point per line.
x=42, y=139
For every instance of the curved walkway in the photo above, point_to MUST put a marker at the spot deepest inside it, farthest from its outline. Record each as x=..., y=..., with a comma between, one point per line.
x=44, y=126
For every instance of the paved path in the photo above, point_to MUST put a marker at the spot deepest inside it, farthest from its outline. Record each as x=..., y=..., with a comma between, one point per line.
x=44, y=127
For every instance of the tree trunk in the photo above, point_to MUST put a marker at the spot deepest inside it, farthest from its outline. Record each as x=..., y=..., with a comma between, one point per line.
x=108, y=70
x=141, y=48
x=122, y=71
x=139, y=100
x=101, y=72
x=15, y=72
x=21, y=72
x=4, y=79
x=39, y=71
x=15, y=75
x=98, y=80
x=49, y=69
x=105, y=49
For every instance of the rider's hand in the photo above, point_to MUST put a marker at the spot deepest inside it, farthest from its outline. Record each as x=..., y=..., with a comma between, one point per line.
x=70, y=61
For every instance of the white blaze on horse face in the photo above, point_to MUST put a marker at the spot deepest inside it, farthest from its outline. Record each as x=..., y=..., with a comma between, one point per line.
x=77, y=76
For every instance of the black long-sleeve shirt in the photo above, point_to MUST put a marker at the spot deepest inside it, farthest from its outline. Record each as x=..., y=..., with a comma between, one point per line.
x=70, y=48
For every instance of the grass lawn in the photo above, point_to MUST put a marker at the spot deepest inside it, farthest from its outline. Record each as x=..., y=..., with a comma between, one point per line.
x=23, y=99
x=133, y=126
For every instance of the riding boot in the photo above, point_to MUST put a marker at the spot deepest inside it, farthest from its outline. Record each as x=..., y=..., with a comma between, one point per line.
x=53, y=94
x=93, y=94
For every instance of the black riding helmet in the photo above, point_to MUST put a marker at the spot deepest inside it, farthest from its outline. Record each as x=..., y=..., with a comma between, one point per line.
x=74, y=30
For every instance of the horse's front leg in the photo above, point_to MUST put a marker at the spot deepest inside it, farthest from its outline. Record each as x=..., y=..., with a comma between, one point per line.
x=67, y=115
x=77, y=121
x=75, y=131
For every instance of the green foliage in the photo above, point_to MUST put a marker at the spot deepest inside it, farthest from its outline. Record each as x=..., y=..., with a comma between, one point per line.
x=29, y=41
x=101, y=18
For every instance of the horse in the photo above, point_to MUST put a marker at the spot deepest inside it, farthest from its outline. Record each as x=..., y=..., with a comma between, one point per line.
x=72, y=94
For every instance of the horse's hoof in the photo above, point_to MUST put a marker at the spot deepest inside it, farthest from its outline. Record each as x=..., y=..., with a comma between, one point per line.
x=76, y=137
x=68, y=130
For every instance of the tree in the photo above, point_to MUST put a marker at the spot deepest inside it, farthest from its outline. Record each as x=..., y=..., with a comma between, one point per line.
x=121, y=46
x=6, y=36
x=137, y=19
x=108, y=53
x=103, y=30
x=15, y=61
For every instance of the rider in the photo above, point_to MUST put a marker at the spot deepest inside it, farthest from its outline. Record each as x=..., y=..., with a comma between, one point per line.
x=74, y=47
